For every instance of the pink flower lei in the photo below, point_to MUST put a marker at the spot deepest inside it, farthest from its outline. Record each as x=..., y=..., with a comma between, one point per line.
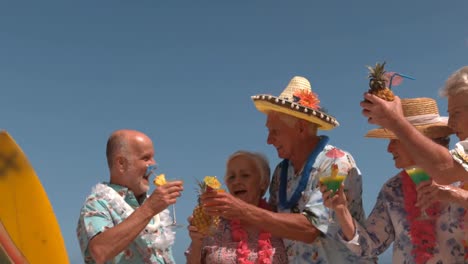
x=265, y=250
x=421, y=232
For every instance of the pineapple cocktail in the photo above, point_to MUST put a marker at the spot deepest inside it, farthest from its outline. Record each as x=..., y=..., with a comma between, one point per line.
x=381, y=81
x=334, y=180
x=417, y=174
x=206, y=224
x=378, y=82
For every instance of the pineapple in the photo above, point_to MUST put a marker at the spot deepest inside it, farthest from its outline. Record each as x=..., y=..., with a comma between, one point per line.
x=206, y=224
x=378, y=81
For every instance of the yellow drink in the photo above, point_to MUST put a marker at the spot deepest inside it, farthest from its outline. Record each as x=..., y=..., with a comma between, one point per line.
x=333, y=183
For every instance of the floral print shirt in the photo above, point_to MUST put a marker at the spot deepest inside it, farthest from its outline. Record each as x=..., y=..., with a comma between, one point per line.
x=221, y=249
x=388, y=224
x=98, y=214
x=328, y=247
x=460, y=155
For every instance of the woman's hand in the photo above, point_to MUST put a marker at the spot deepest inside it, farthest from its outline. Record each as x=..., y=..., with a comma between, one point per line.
x=197, y=237
x=339, y=204
x=430, y=192
x=335, y=201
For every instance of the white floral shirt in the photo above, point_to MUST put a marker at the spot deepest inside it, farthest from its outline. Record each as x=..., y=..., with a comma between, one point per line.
x=388, y=224
x=327, y=248
x=460, y=155
x=101, y=212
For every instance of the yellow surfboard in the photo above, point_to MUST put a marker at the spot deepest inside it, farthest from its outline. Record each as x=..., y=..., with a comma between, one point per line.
x=28, y=227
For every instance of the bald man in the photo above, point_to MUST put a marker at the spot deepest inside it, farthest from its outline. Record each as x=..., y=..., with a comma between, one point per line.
x=119, y=222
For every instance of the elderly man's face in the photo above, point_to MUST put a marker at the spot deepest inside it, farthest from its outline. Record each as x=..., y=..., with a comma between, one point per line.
x=458, y=114
x=141, y=155
x=281, y=136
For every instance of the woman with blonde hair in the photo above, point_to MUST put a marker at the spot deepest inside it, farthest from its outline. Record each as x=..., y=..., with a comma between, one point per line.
x=247, y=178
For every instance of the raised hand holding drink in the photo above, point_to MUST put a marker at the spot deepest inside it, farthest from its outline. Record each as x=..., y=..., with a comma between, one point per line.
x=160, y=180
x=334, y=180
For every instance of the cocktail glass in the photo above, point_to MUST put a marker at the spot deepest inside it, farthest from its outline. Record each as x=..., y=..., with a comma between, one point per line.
x=151, y=171
x=418, y=175
x=332, y=179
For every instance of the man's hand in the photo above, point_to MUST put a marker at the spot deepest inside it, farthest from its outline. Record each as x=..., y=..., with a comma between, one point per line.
x=381, y=112
x=164, y=195
x=223, y=204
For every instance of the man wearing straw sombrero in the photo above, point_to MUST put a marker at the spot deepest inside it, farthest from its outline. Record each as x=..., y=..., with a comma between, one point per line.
x=434, y=237
x=301, y=219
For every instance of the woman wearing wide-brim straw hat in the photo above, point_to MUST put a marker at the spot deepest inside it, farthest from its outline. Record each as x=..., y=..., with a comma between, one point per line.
x=443, y=166
x=396, y=218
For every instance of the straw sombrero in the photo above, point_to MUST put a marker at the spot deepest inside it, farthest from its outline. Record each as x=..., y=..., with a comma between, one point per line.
x=299, y=101
x=423, y=114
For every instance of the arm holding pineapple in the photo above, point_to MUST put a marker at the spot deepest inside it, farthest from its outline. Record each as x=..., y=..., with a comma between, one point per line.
x=247, y=178
x=381, y=112
x=284, y=225
x=194, y=256
x=440, y=165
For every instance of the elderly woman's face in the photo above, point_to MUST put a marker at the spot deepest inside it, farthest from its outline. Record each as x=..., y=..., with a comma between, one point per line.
x=458, y=114
x=401, y=156
x=243, y=179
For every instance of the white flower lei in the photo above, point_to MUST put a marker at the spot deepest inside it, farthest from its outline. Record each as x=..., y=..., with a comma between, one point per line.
x=161, y=240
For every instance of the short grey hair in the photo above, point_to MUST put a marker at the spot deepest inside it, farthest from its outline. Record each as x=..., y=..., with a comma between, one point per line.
x=291, y=121
x=117, y=144
x=262, y=164
x=456, y=83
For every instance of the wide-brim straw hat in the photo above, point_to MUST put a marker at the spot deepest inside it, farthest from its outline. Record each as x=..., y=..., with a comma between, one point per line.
x=423, y=114
x=299, y=101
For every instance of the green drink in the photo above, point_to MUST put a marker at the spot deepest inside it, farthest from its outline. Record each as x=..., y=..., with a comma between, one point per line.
x=332, y=183
x=417, y=174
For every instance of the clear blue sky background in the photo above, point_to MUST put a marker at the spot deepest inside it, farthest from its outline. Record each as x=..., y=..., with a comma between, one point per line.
x=71, y=72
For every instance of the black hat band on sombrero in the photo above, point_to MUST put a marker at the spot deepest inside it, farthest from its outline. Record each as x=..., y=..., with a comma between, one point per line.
x=296, y=100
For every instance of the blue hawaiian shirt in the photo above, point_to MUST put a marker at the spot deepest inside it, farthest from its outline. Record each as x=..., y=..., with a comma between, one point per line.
x=98, y=215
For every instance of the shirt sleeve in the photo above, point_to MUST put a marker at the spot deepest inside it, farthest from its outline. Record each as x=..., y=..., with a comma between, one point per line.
x=377, y=234
x=460, y=153
x=353, y=190
x=316, y=211
x=94, y=219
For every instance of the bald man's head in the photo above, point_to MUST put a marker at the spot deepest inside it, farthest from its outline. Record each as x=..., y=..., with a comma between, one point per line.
x=118, y=144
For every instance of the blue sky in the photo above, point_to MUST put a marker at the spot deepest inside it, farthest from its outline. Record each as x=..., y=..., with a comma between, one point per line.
x=71, y=72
